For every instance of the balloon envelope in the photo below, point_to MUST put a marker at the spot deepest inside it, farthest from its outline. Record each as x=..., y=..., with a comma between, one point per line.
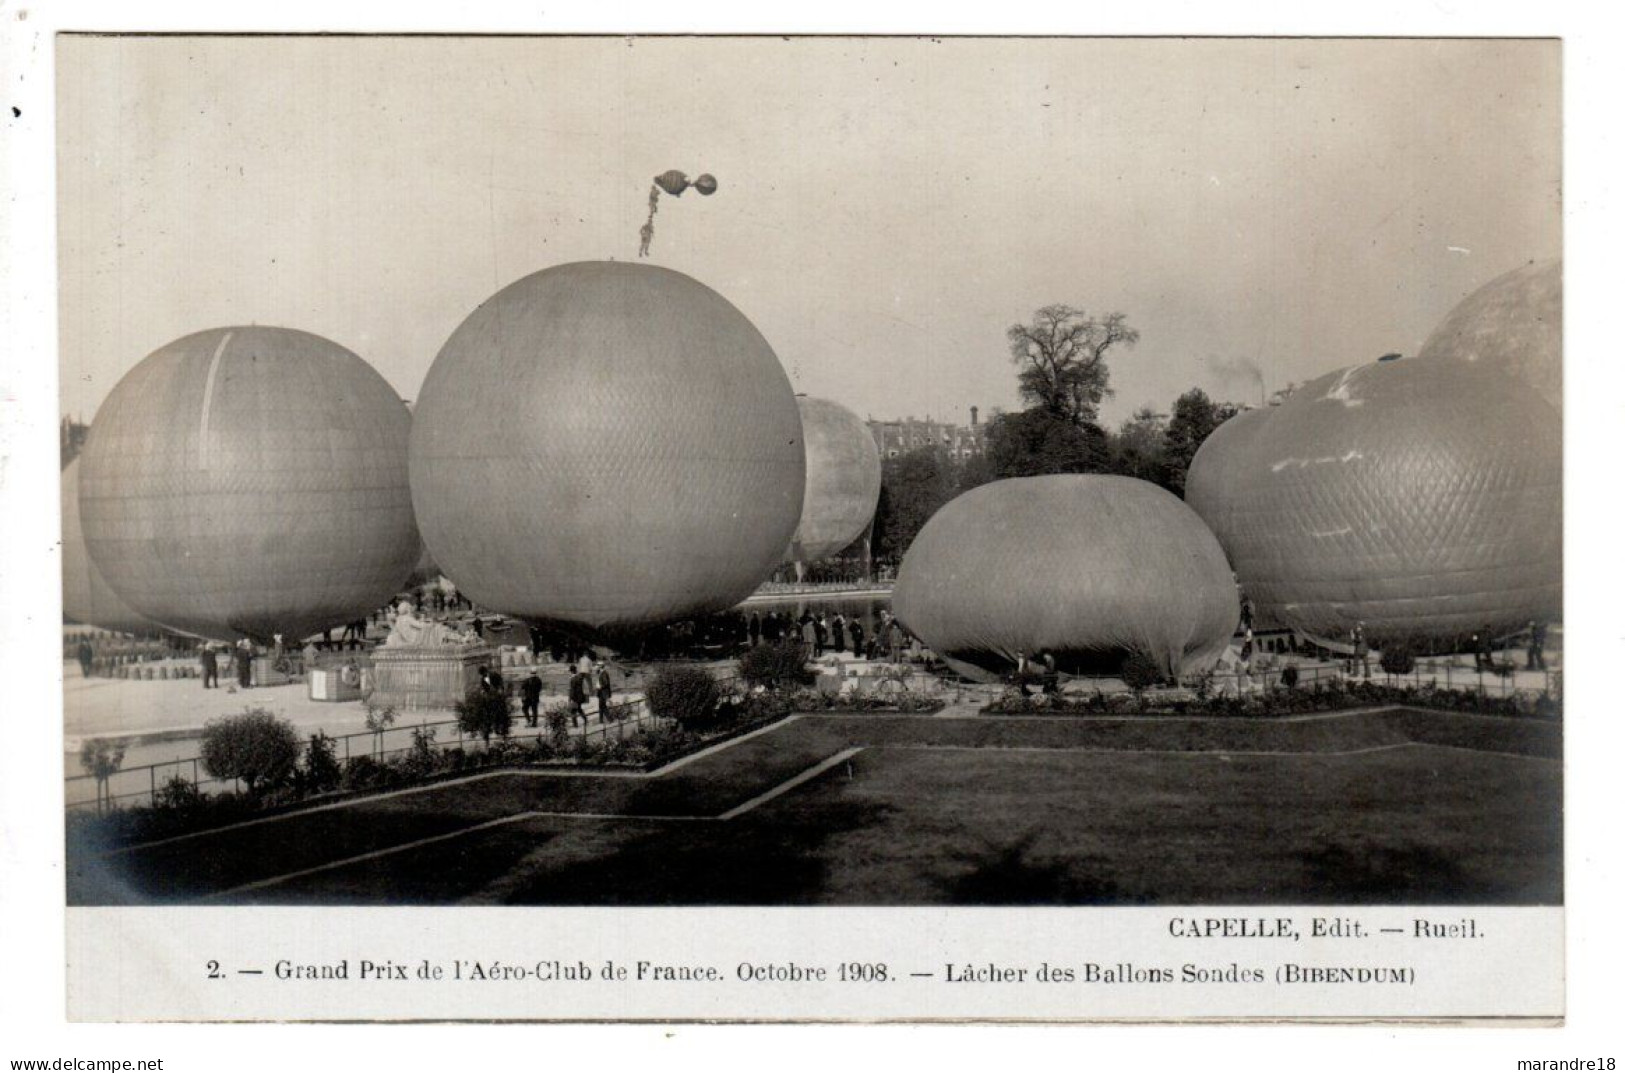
x=250, y=481
x=607, y=446
x=1513, y=324
x=1422, y=498
x=87, y=598
x=1092, y=568
x=843, y=480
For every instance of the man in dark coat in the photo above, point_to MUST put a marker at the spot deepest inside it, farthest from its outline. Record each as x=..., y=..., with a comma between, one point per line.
x=1537, y=646
x=531, y=698
x=857, y=637
x=755, y=629
x=87, y=656
x=245, y=663
x=578, y=697
x=211, y=668
x=604, y=692
x=491, y=680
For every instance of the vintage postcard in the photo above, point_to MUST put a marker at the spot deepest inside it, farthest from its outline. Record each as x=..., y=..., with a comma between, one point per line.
x=811, y=528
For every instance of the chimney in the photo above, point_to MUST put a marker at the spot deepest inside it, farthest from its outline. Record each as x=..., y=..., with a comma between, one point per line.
x=973, y=417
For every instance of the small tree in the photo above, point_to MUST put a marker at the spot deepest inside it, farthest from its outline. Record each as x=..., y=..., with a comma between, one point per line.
x=101, y=758
x=686, y=694
x=774, y=665
x=1398, y=658
x=379, y=719
x=256, y=746
x=484, y=712
x=321, y=769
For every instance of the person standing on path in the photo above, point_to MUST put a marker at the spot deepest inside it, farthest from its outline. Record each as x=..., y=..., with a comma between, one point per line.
x=245, y=663
x=87, y=656
x=578, y=698
x=604, y=692
x=531, y=698
x=211, y=667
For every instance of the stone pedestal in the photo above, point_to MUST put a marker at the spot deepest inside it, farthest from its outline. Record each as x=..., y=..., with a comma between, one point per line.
x=428, y=677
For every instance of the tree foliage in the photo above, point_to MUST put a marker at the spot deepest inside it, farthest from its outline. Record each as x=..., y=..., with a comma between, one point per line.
x=484, y=712
x=1137, y=447
x=1061, y=356
x=913, y=487
x=1037, y=441
x=688, y=695
x=1194, y=419
x=255, y=746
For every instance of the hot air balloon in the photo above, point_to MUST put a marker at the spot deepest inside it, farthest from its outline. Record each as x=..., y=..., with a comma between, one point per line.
x=1514, y=324
x=87, y=598
x=606, y=447
x=843, y=480
x=250, y=481
x=1423, y=498
x=1093, y=568
x=674, y=183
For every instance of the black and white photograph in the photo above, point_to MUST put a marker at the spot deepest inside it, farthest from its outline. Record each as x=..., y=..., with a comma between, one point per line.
x=756, y=512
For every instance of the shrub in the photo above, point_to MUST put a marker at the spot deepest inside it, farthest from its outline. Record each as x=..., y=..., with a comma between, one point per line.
x=687, y=695
x=1140, y=671
x=256, y=747
x=782, y=663
x=178, y=794
x=320, y=771
x=1398, y=658
x=101, y=759
x=483, y=713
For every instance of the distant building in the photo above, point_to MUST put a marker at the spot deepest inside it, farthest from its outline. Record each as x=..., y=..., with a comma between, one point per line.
x=961, y=442
x=73, y=439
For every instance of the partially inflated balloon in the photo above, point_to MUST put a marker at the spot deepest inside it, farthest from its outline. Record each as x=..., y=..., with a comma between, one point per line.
x=1422, y=498
x=1092, y=568
x=250, y=481
x=607, y=446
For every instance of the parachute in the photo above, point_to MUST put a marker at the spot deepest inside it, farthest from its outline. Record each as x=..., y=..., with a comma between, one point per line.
x=606, y=447
x=1423, y=498
x=250, y=481
x=1092, y=568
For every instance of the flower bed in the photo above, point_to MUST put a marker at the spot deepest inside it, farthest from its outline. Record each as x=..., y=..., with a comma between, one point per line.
x=1320, y=697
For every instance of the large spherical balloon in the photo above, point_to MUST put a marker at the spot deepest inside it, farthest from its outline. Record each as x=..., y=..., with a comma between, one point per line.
x=1090, y=567
x=87, y=598
x=843, y=480
x=607, y=446
x=250, y=481
x=1514, y=324
x=1213, y=472
x=1421, y=498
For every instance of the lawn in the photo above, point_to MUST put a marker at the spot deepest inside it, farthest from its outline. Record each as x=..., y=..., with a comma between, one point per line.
x=940, y=811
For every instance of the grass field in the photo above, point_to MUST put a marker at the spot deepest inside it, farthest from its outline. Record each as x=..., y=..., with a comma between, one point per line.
x=866, y=810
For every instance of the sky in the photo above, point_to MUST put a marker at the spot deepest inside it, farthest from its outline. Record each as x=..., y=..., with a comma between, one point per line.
x=1262, y=211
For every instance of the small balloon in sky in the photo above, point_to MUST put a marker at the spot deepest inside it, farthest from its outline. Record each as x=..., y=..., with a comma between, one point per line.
x=673, y=182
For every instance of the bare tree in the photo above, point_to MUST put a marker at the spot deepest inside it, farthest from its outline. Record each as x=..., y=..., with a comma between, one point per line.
x=1062, y=357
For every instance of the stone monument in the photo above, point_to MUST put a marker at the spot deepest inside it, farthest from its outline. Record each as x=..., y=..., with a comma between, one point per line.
x=426, y=664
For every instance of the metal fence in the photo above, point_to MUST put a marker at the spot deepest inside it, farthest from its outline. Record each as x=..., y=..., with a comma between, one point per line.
x=140, y=784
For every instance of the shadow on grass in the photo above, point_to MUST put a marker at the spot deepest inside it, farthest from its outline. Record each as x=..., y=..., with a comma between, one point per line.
x=779, y=862
x=1410, y=874
x=1014, y=874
